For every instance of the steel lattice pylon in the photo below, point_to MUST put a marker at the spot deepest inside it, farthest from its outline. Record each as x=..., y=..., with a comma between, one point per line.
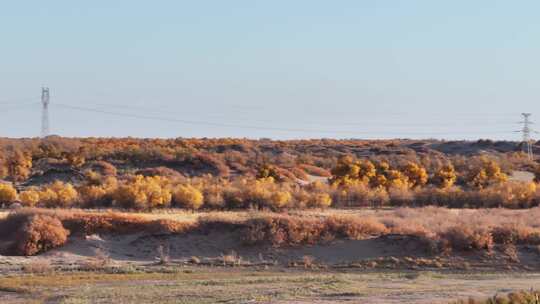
x=45, y=112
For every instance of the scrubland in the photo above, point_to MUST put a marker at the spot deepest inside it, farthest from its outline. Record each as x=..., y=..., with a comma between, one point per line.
x=313, y=212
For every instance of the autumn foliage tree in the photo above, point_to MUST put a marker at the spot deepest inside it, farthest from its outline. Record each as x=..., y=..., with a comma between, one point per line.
x=29, y=197
x=445, y=177
x=349, y=170
x=188, y=197
x=143, y=193
x=8, y=193
x=19, y=166
x=58, y=195
x=488, y=172
x=416, y=174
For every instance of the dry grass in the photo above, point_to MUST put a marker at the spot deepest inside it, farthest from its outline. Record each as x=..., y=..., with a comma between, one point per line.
x=41, y=266
x=99, y=261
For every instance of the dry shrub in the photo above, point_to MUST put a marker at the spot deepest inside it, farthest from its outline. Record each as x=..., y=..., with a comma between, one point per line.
x=283, y=230
x=320, y=200
x=464, y=237
x=510, y=195
x=511, y=252
x=38, y=267
x=99, y=261
x=448, y=196
x=308, y=261
x=516, y=233
x=232, y=259
x=401, y=196
x=163, y=257
x=39, y=233
x=354, y=227
x=519, y=297
x=289, y=230
x=407, y=227
x=214, y=196
x=117, y=223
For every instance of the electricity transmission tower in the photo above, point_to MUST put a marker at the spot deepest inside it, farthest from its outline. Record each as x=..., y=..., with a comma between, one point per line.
x=526, y=131
x=44, y=112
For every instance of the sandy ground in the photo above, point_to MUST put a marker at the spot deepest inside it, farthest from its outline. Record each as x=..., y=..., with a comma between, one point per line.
x=522, y=176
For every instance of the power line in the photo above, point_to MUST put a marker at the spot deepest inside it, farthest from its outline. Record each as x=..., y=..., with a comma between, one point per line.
x=227, y=125
x=130, y=108
x=19, y=101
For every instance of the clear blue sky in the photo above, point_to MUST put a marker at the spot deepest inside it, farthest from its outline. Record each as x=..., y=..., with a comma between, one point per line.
x=280, y=69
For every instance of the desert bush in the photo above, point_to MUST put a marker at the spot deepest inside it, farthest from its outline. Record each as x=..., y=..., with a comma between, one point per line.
x=355, y=227
x=509, y=195
x=188, y=197
x=288, y=231
x=39, y=233
x=464, y=237
x=516, y=233
x=214, y=196
x=38, y=267
x=98, y=262
x=519, y=297
x=453, y=197
x=402, y=196
x=8, y=193
x=320, y=200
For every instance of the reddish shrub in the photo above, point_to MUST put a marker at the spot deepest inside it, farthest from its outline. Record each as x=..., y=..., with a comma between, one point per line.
x=38, y=234
x=516, y=234
x=287, y=230
x=355, y=227
x=463, y=238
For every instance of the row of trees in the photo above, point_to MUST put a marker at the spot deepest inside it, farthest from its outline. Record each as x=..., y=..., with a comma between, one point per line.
x=350, y=171
x=148, y=192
